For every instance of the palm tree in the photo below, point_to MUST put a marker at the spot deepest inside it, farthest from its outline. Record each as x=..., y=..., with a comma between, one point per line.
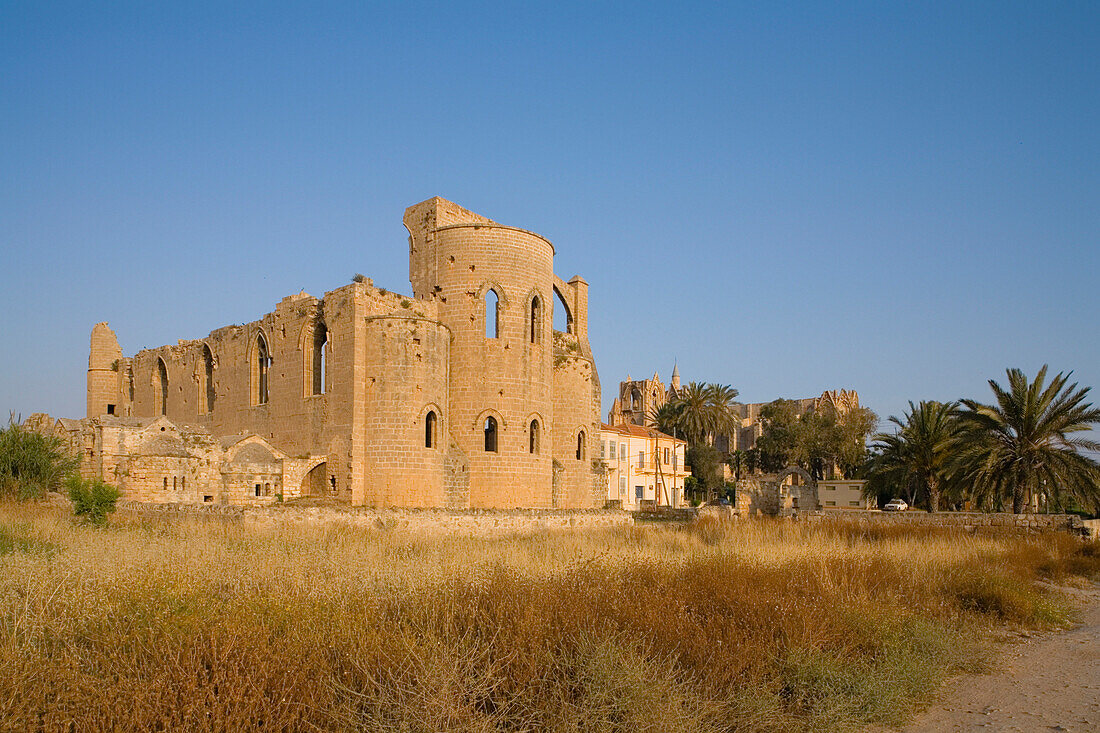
x=667, y=418
x=1026, y=443
x=917, y=455
x=693, y=405
x=720, y=398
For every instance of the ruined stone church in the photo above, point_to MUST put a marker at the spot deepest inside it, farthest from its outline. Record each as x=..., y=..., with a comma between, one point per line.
x=461, y=395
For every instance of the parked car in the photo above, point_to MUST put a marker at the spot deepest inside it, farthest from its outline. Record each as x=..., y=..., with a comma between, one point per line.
x=895, y=505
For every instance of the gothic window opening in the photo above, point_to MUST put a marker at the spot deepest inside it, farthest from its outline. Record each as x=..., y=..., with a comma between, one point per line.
x=429, y=429
x=536, y=319
x=563, y=317
x=160, y=388
x=261, y=362
x=207, y=392
x=492, y=314
x=320, y=342
x=580, y=446
x=534, y=437
x=491, y=434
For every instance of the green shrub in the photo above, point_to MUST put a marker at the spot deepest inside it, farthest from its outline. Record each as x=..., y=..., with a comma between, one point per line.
x=30, y=463
x=92, y=499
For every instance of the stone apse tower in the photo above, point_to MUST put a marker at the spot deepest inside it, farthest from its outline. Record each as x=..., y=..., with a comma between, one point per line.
x=461, y=396
x=516, y=385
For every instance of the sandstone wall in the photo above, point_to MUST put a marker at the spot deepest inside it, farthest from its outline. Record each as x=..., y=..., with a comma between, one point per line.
x=506, y=376
x=471, y=522
x=406, y=378
x=963, y=520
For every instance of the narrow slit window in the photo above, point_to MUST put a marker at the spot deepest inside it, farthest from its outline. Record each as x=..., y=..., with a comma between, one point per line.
x=429, y=429
x=580, y=446
x=320, y=342
x=491, y=434
x=536, y=319
x=534, y=437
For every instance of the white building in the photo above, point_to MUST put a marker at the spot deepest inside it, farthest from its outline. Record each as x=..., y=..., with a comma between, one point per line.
x=844, y=494
x=645, y=467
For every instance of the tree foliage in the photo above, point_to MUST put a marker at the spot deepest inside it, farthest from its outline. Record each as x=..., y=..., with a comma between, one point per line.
x=813, y=440
x=31, y=463
x=915, y=459
x=1029, y=443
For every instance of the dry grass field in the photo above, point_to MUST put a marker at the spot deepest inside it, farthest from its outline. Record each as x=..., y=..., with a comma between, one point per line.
x=211, y=625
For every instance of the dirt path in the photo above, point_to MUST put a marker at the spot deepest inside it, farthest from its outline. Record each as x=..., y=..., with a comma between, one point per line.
x=1050, y=682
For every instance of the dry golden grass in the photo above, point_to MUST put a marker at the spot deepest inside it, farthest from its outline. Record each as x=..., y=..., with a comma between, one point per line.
x=211, y=625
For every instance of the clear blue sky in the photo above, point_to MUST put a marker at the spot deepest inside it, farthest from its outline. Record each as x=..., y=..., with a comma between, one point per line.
x=899, y=199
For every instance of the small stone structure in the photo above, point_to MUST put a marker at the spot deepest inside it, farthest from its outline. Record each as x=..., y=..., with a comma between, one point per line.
x=772, y=496
x=153, y=459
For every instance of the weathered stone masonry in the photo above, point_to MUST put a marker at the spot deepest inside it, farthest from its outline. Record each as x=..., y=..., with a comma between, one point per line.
x=461, y=395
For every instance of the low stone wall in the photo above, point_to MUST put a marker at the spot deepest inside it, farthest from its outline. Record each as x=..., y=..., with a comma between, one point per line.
x=964, y=520
x=434, y=521
x=1092, y=528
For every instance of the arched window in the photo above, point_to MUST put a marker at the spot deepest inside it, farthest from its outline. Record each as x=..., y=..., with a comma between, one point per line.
x=534, y=436
x=160, y=388
x=580, y=446
x=206, y=386
x=429, y=429
x=492, y=314
x=536, y=319
x=635, y=400
x=261, y=360
x=320, y=341
x=491, y=434
x=563, y=317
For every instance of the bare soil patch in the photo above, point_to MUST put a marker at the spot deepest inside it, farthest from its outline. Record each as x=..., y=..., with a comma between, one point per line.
x=1044, y=682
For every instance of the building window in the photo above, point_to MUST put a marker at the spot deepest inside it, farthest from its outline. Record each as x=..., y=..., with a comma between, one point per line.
x=492, y=314
x=207, y=499
x=267, y=489
x=110, y=409
x=639, y=492
x=853, y=503
x=580, y=446
x=613, y=452
x=536, y=319
x=259, y=488
x=641, y=459
x=261, y=362
x=830, y=503
x=622, y=451
x=534, y=437
x=666, y=456
x=491, y=434
x=622, y=485
x=166, y=483
x=429, y=429
x=183, y=483
x=317, y=372
x=206, y=387
x=160, y=388
x=174, y=486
